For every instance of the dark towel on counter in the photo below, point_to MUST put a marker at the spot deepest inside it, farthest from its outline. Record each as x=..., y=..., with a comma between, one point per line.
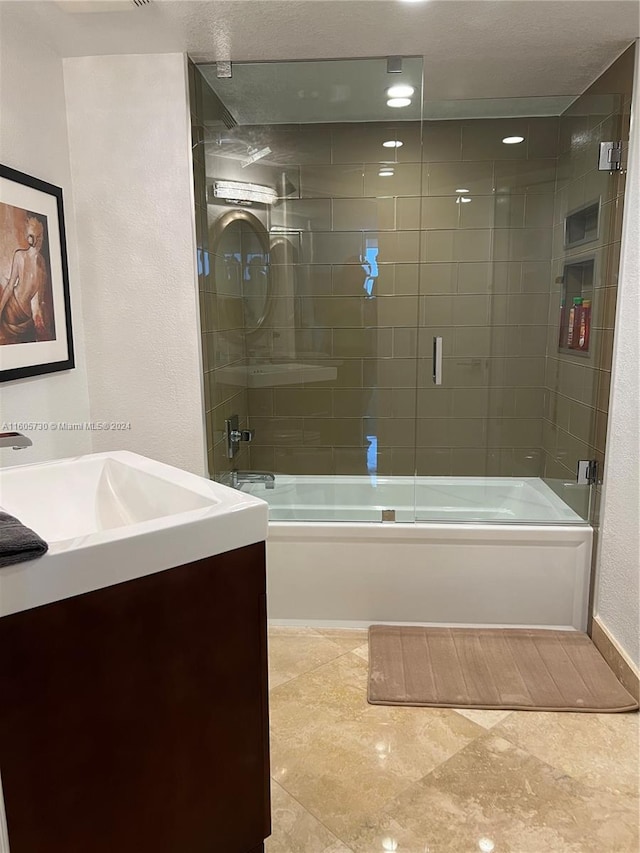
x=17, y=542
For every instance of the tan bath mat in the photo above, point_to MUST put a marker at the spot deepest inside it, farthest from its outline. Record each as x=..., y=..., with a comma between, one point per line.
x=502, y=668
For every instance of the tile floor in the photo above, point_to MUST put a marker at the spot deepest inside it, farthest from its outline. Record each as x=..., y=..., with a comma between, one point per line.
x=349, y=777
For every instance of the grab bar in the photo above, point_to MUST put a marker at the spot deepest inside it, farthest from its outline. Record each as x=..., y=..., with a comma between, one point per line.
x=437, y=360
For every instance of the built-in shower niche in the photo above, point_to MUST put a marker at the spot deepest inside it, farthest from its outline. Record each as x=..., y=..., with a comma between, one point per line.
x=576, y=300
x=582, y=225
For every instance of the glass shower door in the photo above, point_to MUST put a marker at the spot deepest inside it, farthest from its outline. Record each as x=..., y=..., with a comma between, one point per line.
x=485, y=281
x=326, y=375
x=519, y=229
x=586, y=256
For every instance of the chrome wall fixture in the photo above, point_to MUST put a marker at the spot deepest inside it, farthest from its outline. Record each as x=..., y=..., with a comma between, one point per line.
x=235, y=435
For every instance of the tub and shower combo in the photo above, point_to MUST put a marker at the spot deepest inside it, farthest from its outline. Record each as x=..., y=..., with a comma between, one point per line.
x=452, y=550
x=386, y=282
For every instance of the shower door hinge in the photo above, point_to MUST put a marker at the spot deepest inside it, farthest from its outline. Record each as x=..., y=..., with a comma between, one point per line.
x=610, y=158
x=223, y=69
x=587, y=473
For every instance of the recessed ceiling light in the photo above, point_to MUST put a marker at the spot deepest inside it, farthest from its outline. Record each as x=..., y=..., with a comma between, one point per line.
x=385, y=173
x=398, y=102
x=463, y=191
x=392, y=143
x=513, y=140
x=402, y=90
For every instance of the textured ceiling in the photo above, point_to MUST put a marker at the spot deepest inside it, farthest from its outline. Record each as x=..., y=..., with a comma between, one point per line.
x=472, y=48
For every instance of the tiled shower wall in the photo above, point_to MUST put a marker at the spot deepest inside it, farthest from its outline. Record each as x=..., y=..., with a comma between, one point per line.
x=577, y=386
x=477, y=273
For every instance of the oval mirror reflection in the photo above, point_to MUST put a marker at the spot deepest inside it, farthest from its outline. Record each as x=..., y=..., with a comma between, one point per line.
x=240, y=247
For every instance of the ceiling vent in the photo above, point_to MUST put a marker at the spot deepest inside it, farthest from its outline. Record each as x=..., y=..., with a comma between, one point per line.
x=82, y=7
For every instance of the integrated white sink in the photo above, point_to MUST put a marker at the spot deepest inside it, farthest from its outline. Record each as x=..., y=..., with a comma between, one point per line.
x=112, y=517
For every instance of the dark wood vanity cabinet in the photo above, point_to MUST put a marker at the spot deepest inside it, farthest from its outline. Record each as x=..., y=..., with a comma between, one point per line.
x=134, y=719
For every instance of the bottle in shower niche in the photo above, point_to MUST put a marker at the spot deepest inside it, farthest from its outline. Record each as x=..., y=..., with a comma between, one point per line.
x=574, y=323
x=585, y=325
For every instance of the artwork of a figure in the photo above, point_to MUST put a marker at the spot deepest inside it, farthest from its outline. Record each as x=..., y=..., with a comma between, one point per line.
x=26, y=314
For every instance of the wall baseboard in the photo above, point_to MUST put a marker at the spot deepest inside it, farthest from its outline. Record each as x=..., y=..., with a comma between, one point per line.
x=626, y=673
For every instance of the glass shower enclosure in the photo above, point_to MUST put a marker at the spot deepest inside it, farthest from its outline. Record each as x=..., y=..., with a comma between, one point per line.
x=404, y=302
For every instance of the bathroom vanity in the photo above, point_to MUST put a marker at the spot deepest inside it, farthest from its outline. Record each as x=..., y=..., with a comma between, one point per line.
x=134, y=712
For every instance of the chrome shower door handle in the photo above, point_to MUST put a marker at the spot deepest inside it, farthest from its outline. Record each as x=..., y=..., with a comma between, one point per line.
x=437, y=360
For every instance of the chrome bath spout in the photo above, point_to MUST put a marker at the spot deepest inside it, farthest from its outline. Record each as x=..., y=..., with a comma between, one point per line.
x=15, y=440
x=240, y=477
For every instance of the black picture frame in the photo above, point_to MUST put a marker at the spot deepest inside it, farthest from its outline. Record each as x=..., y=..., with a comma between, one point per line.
x=33, y=341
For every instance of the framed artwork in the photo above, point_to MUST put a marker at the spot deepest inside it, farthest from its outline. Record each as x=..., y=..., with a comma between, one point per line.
x=35, y=313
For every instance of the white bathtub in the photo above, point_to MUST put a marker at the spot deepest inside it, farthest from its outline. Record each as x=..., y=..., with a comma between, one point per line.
x=481, y=551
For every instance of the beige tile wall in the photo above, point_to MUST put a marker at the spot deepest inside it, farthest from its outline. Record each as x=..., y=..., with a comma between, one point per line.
x=481, y=274
x=577, y=386
x=476, y=273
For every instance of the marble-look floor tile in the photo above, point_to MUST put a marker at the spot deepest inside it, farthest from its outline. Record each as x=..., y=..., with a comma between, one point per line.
x=293, y=651
x=486, y=719
x=359, y=778
x=362, y=652
x=294, y=829
x=347, y=638
x=599, y=749
x=492, y=795
x=340, y=756
x=328, y=693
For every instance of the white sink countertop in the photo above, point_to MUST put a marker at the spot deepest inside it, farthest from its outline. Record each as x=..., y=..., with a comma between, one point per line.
x=113, y=517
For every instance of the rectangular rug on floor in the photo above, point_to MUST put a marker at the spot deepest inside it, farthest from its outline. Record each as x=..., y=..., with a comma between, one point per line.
x=498, y=668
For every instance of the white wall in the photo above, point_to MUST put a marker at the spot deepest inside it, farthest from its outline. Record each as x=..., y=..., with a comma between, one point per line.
x=33, y=139
x=129, y=135
x=617, y=593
